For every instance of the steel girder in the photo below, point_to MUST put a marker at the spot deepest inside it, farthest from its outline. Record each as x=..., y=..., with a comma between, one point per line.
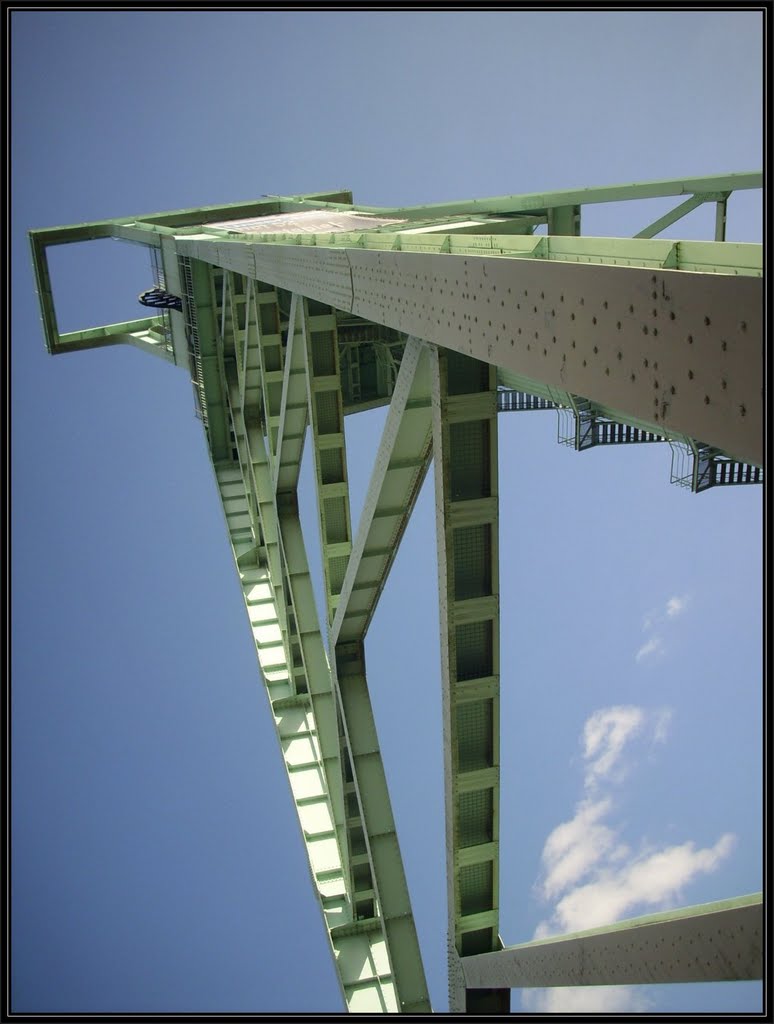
x=399, y=469
x=664, y=346
x=465, y=459
x=378, y=886
x=720, y=941
x=322, y=712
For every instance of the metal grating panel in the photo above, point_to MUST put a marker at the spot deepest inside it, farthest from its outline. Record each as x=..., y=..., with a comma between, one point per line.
x=472, y=561
x=323, y=353
x=331, y=466
x=470, y=470
x=336, y=569
x=474, y=817
x=474, y=650
x=328, y=420
x=476, y=888
x=466, y=376
x=475, y=747
x=336, y=520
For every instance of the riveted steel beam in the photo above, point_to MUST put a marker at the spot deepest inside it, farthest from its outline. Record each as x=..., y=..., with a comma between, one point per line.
x=380, y=895
x=314, y=736
x=291, y=269
x=294, y=406
x=465, y=459
x=399, y=469
x=303, y=750
x=682, y=351
x=680, y=211
x=309, y=670
x=378, y=885
x=326, y=416
x=149, y=335
x=530, y=202
x=720, y=941
x=249, y=358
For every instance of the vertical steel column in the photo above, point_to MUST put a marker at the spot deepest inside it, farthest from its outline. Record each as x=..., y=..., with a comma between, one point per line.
x=377, y=881
x=564, y=220
x=465, y=455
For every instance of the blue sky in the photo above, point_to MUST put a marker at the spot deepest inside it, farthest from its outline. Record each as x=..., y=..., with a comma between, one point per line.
x=157, y=860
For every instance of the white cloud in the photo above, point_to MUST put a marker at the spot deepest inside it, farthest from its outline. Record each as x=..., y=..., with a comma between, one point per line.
x=586, y=999
x=651, y=622
x=676, y=605
x=653, y=646
x=651, y=881
x=573, y=847
x=605, y=734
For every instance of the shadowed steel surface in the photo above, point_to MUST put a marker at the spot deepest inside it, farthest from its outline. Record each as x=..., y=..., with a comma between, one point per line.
x=714, y=942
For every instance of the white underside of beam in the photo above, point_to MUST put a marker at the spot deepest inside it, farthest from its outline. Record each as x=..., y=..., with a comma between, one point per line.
x=714, y=942
x=676, y=348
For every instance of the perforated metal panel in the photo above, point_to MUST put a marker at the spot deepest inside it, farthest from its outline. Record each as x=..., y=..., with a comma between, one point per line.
x=472, y=561
x=328, y=419
x=474, y=735
x=474, y=818
x=474, y=650
x=470, y=470
x=476, y=894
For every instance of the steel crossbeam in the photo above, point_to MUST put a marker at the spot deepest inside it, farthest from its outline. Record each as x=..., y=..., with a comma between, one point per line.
x=399, y=469
x=381, y=891
x=720, y=941
x=369, y=924
x=664, y=346
x=294, y=409
x=378, y=884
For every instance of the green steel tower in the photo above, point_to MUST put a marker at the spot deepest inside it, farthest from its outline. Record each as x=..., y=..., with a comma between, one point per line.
x=291, y=313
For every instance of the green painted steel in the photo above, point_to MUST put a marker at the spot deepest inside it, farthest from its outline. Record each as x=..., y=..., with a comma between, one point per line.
x=597, y=194
x=736, y=258
x=284, y=332
x=679, y=211
x=399, y=469
x=466, y=498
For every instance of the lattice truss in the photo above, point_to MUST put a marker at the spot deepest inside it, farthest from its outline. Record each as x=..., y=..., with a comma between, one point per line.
x=299, y=311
